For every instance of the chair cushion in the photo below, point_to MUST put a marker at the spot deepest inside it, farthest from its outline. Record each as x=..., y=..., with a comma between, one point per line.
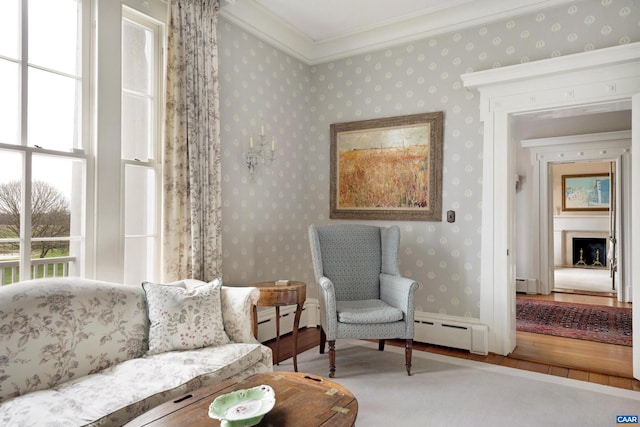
x=367, y=311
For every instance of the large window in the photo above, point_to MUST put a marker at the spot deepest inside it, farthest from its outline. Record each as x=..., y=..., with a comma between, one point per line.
x=141, y=132
x=42, y=157
x=80, y=125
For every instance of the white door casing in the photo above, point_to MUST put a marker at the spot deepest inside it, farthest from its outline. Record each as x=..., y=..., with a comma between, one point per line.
x=635, y=230
x=606, y=146
x=603, y=76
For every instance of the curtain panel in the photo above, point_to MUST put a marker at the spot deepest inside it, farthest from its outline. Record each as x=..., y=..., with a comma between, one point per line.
x=191, y=174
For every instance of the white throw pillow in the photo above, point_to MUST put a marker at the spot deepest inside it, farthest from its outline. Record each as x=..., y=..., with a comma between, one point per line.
x=184, y=319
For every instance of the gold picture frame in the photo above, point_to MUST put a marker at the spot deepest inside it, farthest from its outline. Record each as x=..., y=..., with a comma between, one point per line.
x=387, y=169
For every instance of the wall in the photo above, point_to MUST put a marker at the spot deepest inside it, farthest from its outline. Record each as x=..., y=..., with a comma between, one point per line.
x=264, y=222
x=264, y=234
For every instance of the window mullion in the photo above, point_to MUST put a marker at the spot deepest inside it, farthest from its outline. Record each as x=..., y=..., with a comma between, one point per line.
x=24, y=71
x=25, y=218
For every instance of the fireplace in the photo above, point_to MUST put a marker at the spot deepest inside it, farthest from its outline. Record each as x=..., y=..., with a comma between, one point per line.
x=589, y=252
x=571, y=256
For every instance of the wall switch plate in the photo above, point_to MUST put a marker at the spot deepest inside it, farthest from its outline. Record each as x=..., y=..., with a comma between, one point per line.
x=451, y=216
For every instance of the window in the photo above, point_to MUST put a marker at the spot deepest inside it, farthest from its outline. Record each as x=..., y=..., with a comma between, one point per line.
x=79, y=175
x=42, y=161
x=141, y=132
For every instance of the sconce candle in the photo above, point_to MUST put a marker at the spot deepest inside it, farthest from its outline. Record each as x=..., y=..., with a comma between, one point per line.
x=259, y=156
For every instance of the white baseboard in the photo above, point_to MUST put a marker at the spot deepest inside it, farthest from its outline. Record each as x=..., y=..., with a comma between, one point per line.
x=430, y=328
x=452, y=331
x=527, y=285
x=267, y=316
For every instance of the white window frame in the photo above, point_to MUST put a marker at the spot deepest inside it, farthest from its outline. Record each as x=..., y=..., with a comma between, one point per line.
x=107, y=208
x=156, y=127
x=27, y=152
x=102, y=240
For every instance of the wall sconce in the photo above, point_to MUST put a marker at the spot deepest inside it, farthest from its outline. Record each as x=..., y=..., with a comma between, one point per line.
x=259, y=154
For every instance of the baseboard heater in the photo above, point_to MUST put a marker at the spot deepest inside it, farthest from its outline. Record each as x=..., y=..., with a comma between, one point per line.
x=451, y=331
x=267, y=319
x=526, y=285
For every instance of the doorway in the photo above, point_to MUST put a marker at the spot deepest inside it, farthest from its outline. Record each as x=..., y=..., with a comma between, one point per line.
x=547, y=162
x=584, y=228
x=546, y=226
x=596, y=78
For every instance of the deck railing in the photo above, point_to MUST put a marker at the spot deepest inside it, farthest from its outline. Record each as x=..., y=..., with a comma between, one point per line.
x=40, y=267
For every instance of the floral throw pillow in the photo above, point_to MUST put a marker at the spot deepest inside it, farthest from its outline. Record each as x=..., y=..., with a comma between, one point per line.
x=184, y=319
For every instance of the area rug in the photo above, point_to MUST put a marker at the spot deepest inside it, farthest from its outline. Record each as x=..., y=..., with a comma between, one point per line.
x=447, y=391
x=611, y=325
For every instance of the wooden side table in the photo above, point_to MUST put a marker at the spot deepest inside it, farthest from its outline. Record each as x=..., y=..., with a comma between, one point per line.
x=272, y=295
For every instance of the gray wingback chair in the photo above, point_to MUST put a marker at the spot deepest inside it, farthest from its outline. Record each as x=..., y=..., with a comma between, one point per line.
x=361, y=292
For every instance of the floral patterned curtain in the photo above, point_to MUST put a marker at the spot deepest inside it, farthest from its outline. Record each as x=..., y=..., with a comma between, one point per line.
x=191, y=177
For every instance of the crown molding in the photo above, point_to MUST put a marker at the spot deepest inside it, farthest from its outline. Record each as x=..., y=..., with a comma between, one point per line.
x=615, y=55
x=255, y=19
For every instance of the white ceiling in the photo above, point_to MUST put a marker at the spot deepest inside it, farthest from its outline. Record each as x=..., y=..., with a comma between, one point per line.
x=322, y=20
x=317, y=31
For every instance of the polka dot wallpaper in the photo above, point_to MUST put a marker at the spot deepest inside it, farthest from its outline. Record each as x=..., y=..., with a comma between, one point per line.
x=265, y=222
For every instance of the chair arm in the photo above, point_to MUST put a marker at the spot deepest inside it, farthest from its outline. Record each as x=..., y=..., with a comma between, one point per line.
x=328, y=307
x=237, y=312
x=399, y=292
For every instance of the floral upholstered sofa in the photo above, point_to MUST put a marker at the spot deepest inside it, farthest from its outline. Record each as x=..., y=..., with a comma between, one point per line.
x=80, y=352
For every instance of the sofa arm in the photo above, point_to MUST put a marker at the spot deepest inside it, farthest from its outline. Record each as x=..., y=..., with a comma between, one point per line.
x=237, y=312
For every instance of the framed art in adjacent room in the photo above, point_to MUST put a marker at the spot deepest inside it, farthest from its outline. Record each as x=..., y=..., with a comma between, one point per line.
x=586, y=192
x=387, y=169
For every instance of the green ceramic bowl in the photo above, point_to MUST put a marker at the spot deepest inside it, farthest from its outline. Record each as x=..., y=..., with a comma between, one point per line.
x=243, y=408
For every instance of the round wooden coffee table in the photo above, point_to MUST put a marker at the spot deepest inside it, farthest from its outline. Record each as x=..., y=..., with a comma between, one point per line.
x=301, y=400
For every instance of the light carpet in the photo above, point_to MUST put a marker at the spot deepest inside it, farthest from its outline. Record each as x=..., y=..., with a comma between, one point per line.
x=583, y=279
x=446, y=391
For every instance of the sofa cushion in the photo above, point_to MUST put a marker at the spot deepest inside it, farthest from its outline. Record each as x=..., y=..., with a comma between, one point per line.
x=122, y=392
x=184, y=319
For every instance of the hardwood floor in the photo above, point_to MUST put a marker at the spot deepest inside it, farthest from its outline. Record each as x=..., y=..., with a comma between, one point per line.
x=564, y=357
x=570, y=353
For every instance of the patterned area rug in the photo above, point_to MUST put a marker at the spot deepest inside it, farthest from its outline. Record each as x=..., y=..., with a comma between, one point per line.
x=609, y=325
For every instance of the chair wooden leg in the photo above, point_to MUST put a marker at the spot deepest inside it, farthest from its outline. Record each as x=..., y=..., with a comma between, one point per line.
x=332, y=358
x=323, y=340
x=380, y=345
x=408, y=346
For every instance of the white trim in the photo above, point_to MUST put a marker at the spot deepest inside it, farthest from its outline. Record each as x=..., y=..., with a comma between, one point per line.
x=635, y=231
x=585, y=79
x=499, y=77
x=267, y=316
x=430, y=328
x=452, y=331
x=252, y=17
x=558, y=142
x=106, y=145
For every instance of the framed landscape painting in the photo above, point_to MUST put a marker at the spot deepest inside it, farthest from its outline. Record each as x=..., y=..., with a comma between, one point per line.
x=586, y=192
x=387, y=169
